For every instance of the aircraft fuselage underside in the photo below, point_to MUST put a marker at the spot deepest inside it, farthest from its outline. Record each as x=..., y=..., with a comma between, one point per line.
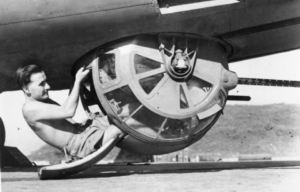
x=55, y=33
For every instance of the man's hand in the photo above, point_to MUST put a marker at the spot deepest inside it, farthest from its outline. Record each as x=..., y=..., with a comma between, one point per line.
x=81, y=75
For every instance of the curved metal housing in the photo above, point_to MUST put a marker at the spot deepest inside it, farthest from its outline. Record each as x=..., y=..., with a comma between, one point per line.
x=160, y=113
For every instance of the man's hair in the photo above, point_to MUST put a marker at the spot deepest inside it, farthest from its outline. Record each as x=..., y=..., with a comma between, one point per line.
x=23, y=74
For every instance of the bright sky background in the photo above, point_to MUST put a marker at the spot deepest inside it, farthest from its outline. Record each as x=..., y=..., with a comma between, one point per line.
x=285, y=66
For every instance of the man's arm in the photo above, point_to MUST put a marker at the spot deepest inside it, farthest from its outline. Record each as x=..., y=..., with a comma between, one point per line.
x=68, y=119
x=43, y=111
x=70, y=105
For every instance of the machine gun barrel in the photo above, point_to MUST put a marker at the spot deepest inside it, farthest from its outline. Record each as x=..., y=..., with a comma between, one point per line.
x=268, y=82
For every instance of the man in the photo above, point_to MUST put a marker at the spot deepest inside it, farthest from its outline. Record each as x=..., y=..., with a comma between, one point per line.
x=53, y=123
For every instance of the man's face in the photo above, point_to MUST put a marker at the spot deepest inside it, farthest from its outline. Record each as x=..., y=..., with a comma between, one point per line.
x=38, y=87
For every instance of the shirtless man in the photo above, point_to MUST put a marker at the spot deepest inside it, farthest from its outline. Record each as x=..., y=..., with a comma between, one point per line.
x=53, y=123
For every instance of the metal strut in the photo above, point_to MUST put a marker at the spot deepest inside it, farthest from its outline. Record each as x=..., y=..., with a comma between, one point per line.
x=268, y=82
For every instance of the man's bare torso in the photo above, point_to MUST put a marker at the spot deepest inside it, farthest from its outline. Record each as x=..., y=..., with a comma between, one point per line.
x=55, y=132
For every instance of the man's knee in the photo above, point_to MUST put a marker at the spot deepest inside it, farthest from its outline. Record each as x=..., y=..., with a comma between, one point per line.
x=114, y=130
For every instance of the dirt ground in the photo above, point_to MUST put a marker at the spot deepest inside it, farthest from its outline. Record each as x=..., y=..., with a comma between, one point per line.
x=234, y=180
